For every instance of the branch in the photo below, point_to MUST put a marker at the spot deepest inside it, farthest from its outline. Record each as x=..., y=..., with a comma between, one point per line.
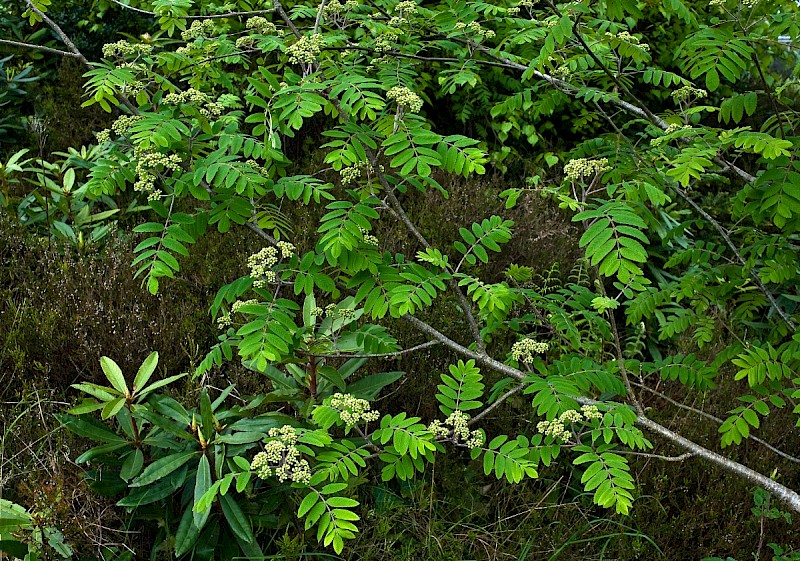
x=75, y=51
x=58, y=31
x=497, y=402
x=38, y=48
x=465, y=306
x=753, y=273
x=645, y=113
x=382, y=355
x=784, y=493
x=680, y=458
x=717, y=420
x=212, y=16
x=318, y=21
x=286, y=19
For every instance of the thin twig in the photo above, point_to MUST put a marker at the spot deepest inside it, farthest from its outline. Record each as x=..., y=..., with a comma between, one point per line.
x=622, y=104
x=278, y=7
x=784, y=493
x=717, y=420
x=726, y=236
x=58, y=31
x=382, y=355
x=465, y=306
x=680, y=458
x=496, y=403
x=76, y=52
x=211, y=16
x=39, y=48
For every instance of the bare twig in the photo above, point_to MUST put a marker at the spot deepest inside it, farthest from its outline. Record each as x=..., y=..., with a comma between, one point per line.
x=278, y=7
x=717, y=420
x=382, y=355
x=38, y=48
x=74, y=50
x=726, y=236
x=496, y=403
x=680, y=458
x=58, y=31
x=465, y=306
x=210, y=16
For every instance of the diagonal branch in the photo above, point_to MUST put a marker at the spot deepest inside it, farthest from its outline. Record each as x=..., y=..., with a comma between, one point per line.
x=39, y=48
x=717, y=420
x=58, y=31
x=643, y=113
x=496, y=403
x=784, y=493
x=726, y=236
x=465, y=306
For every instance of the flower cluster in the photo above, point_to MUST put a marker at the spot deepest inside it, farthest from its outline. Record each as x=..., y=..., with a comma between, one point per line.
x=260, y=265
x=368, y=238
x=147, y=164
x=458, y=431
x=209, y=109
x=626, y=37
x=281, y=458
x=475, y=28
x=350, y=174
x=240, y=303
x=261, y=25
x=557, y=428
x=199, y=28
x=224, y=321
x=151, y=160
x=591, y=412
x=103, y=136
x=132, y=89
x=334, y=312
x=124, y=123
x=688, y=92
x=554, y=428
x=306, y=49
x=406, y=7
x=674, y=127
x=397, y=21
x=582, y=167
x=527, y=349
x=354, y=172
x=334, y=7
x=351, y=409
x=245, y=42
x=123, y=48
x=258, y=167
x=405, y=98
x=287, y=249
x=561, y=71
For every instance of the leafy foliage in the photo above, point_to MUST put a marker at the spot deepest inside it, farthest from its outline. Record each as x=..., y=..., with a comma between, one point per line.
x=205, y=139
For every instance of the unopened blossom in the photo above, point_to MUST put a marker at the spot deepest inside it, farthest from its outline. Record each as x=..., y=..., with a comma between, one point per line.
x=527, y=349
x=352, y=410
x=583, y=167
x=405, y=98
